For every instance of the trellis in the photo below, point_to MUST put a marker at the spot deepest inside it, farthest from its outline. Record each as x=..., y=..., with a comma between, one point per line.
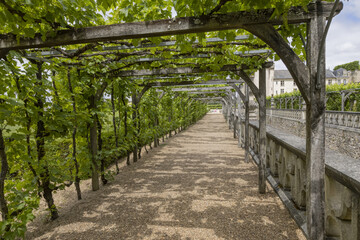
x=309, y=78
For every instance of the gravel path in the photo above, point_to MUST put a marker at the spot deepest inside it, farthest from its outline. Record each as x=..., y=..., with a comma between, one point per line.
x=194, y=186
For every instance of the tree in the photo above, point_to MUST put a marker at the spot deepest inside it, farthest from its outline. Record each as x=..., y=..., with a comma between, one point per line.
x=351, y=66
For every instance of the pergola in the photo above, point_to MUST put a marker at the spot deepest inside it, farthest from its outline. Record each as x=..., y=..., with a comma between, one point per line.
x=309, y=77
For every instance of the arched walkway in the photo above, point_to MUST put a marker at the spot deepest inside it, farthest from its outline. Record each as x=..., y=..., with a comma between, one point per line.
x=195, y=186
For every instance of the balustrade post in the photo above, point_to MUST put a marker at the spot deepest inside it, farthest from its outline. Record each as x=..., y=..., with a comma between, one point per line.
x=303, y=113
x=272, y=105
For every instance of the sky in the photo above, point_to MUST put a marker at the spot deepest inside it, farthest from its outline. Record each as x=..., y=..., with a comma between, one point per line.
x=343, y=40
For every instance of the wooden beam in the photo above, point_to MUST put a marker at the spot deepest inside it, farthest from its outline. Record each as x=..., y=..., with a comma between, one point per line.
x=239, y=121
x=237, y=89
x=127, y=46
x=208, y=92
x=200, y=89
x=234, y=119
x=163, y=27
x=315, y=132
x=247, y=120
x=294, y=64
x=262, y=130
x=202, y=55
x=208, y=98
x=180, y=70
x=249, y=82
x=191, y=83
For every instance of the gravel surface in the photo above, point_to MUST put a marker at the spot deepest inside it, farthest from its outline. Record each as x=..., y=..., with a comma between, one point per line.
x=194, y=186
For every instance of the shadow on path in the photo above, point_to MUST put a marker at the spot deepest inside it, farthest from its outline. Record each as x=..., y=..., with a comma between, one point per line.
x=195, y=186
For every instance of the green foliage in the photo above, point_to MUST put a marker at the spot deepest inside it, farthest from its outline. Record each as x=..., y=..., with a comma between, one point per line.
x=333, y=94
x=91, y=75
x=351, y=66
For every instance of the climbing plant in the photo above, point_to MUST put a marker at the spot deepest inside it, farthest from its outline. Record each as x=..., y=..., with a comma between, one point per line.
x=67, y=113
x=333, y=94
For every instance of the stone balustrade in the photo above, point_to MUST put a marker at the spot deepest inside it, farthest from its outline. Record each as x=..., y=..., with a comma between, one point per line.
x=342, y=119
x=287, y=113
x=346, y=119
x=286, y=163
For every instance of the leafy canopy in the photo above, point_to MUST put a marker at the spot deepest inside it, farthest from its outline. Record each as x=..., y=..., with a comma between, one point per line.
x=351, y=66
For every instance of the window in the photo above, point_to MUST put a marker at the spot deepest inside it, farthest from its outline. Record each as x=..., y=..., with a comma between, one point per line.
x=344, y=81
x=329, y=81
x=339, y=81
x=276, y=82
x=282, y=83
x=294, y=83
x=282, y=90
x=276, y=92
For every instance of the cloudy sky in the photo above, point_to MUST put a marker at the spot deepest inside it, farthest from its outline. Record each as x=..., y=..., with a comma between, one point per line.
x=343, y=40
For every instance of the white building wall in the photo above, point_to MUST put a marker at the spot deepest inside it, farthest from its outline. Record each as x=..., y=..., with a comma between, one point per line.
x=284, y=86
x=269, y=80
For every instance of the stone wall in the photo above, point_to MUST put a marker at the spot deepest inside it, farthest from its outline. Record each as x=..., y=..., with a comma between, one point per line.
x=285, y=161
x=341, y=139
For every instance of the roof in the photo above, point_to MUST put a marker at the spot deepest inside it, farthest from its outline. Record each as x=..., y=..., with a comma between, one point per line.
x=340, y=72
x=285, y=74
x=329, y=74
x=282, y=74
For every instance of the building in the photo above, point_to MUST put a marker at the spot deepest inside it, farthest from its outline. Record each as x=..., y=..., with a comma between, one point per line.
x=284, y=83
x=281, y=81
x=344, y=76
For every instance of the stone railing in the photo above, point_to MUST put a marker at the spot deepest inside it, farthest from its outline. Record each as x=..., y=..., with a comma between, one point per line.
x=343, y=119
x=287, y=113
x=346, y=119
x=286, y=163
